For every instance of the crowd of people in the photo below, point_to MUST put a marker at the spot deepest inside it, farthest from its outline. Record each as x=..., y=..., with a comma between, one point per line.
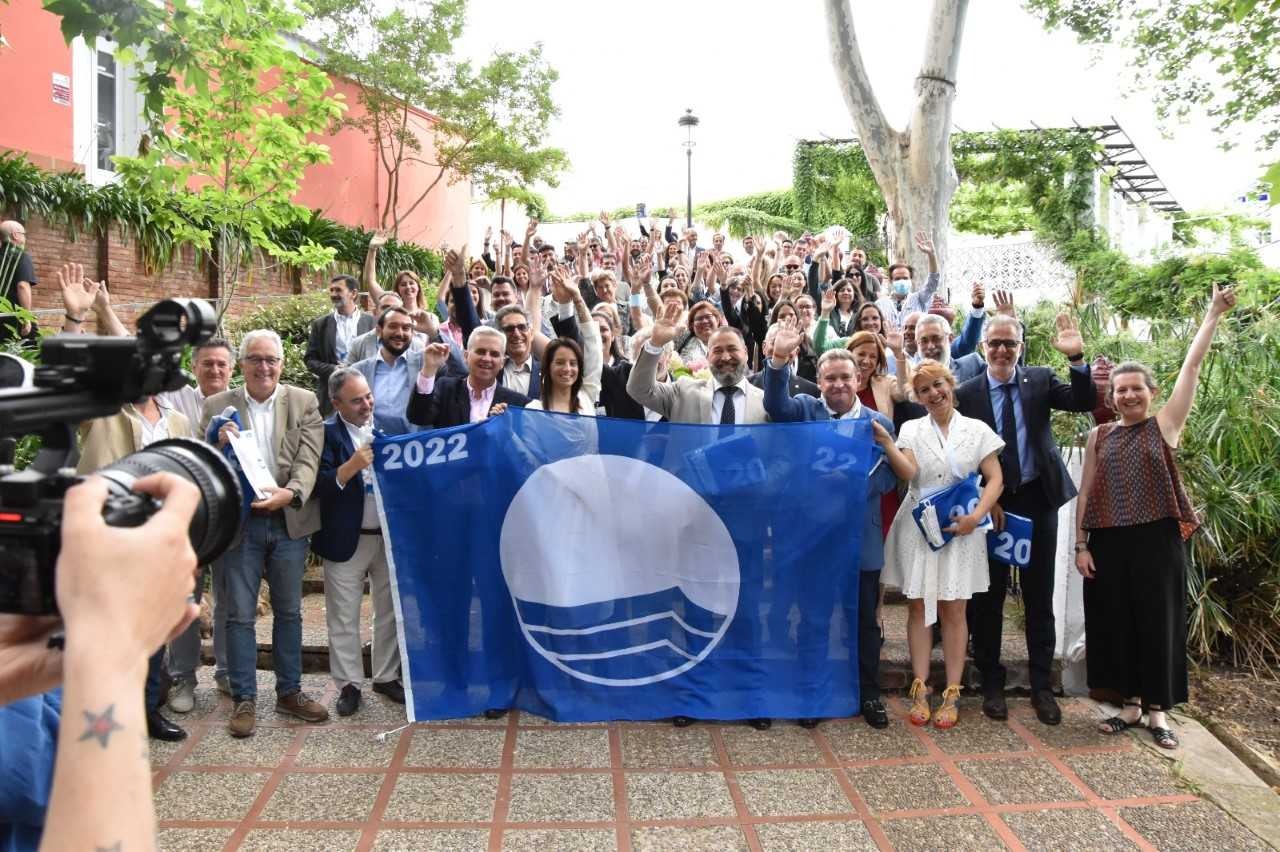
x=654, y=326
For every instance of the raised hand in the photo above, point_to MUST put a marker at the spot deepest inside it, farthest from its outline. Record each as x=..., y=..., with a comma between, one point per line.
x=924, y=242
x=456, y=262
x=1068, y=340
x=604, y=218
x=103, y=300
x=530, y=229
x=582, y=241
x=78, y=293
x=434, y=357
x=641, y=272
x=379, y=239
x=893, y=339
x=1004, y=304
x=488, y=233
x=425, y=322
x=666, y=326
x=828, y=301
x=1224, y=299
x=561, y=292
x=786, y=340
x=978, y=295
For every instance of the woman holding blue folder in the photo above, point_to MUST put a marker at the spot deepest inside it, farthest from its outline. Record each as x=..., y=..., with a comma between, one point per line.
x=935, y=454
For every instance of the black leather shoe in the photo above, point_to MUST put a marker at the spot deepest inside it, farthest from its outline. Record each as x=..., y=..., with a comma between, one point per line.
x=348, y=700
x=875, y=714
x=494, y=713
x=994, y=706
x=393, y=689
x=1046, y=706
x=682, y=721
x=760, y=724
x=160, y=728
x=808, y=723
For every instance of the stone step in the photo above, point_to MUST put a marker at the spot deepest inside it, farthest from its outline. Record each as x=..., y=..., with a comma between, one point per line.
x=895, y=664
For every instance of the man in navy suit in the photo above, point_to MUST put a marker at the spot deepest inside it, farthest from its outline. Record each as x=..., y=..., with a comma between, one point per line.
x=1016, y=401
x=452, y=401
x=351, y=542
x=837, y=379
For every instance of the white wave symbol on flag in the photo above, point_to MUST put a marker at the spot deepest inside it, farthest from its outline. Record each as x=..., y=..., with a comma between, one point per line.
x=598, y=593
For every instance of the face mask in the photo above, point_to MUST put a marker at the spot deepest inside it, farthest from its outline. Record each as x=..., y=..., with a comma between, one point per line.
x=902, y=287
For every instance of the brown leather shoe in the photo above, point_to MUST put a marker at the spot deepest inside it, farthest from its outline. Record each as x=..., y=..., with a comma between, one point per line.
x=299, y=705
x=243, y=719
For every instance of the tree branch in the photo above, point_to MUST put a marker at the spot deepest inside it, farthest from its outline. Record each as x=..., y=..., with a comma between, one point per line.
x=875, y=133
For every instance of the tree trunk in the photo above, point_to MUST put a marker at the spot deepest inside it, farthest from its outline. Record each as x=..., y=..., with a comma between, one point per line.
x=913, y=168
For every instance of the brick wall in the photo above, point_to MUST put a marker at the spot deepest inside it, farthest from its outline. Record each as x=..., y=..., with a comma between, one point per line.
x=116, y=260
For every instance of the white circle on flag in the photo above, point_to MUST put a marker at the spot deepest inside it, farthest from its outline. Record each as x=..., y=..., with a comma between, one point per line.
x=616, y=566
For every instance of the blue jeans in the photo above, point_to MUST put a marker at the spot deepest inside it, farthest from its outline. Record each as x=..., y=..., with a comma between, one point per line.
x=184, y=652
x=265, y=549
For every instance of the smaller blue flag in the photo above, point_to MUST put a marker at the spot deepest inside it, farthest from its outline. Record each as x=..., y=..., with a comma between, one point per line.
x=1012, y=544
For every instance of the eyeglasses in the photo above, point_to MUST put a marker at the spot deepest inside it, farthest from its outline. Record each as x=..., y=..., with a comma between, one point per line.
x=262, y=360
x=706, y=317
x=1004, y=343
x=792, y=266
x=805, y=309
x=523, y=328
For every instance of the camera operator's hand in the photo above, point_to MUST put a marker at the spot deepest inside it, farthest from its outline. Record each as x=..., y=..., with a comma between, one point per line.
x=277, y=498
x=124, y=591
x=28, y=666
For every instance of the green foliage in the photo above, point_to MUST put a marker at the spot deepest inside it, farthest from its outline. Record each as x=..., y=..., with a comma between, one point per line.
x=993, y=208
x=67, y=200
x=243, y=144
x=290, y=318
x=1217, y=55
x=489, y=122
x=833, y=185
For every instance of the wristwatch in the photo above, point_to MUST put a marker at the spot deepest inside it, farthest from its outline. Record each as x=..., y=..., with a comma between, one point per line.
x=296, y=502
x=1082, y=546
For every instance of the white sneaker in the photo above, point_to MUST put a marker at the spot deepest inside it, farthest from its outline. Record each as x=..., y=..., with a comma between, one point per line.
x=182, y=697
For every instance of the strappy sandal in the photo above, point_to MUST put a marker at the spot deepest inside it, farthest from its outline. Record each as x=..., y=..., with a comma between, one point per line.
x=920, y=710
x=948, y=714
x=1164, y=737
x=1117, y=724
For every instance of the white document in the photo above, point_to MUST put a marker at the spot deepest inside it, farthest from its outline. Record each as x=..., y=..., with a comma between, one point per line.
x=252, y=463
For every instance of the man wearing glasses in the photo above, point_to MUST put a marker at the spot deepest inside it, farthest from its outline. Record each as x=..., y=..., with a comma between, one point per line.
x=289, y=435
x=17, y=276
x=1016, y=401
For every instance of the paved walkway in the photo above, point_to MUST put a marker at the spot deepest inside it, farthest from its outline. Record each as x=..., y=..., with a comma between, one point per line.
x=523, y=783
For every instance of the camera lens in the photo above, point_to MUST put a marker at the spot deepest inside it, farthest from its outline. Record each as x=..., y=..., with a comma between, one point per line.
x=217, y=517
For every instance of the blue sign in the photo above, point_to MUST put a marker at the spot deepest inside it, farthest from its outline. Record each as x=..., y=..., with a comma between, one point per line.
x=939, y=509
x=587, y=569
x=1011, y=545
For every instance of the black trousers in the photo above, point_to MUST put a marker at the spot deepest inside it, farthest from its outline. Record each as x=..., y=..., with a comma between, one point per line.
x=870, y=637
x=986, y=610
x=1135, y=612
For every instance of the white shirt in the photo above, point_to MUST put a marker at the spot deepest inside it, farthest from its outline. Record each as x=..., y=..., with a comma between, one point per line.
x=345, y=331
x=739, y=403
x=262, y=420
x=517, y=378
x=187, y=400
x=152, y=432
x=369, y=520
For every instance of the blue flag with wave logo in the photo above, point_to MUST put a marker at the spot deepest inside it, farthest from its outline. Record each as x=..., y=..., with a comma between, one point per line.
x=587, y=569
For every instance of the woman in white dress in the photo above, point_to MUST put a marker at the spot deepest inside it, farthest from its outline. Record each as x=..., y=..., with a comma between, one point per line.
x=933, y=453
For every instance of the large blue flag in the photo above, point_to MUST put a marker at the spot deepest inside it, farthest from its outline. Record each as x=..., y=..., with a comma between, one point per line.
x=587, y=569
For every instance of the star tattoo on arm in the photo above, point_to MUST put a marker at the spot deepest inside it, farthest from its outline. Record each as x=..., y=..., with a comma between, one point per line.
x=100, y=726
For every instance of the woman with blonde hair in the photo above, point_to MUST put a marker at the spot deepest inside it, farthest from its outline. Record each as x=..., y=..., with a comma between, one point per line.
x=933, y=453
x=1133, y=517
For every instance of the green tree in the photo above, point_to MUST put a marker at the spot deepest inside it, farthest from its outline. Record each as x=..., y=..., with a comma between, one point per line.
x=489, y=122
x=1217, y=55
x=238, y=139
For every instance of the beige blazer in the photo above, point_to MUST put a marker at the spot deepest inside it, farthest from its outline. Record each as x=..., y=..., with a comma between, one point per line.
x=685, y=400
x=104, y=440
x=299, y=438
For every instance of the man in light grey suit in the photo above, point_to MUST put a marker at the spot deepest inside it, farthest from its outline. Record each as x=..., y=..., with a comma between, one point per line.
x=393, y=369
x=726, y=398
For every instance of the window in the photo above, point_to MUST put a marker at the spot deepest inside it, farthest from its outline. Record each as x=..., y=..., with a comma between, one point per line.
x=106, y=127
x=107, y=109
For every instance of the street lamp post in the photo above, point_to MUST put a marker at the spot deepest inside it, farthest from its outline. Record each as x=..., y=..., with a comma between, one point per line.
x=689, y=121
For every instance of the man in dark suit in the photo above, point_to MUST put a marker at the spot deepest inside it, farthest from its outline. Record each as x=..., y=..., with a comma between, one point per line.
x=330, y=338
x=351, y=543
x=1015, y=401
x=440, y=402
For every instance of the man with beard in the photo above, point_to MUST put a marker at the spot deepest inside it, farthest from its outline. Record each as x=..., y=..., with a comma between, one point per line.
x=331, y=335
x=727, y=398
x=392, y=371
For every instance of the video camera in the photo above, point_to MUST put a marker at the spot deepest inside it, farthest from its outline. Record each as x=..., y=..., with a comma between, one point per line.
x=82, y=377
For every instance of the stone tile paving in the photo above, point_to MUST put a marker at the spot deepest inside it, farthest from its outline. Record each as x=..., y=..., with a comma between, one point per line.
x=522, y=783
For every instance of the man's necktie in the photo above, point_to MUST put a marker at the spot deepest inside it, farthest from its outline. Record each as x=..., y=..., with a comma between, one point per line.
x=728, y=416
x=1010, y=461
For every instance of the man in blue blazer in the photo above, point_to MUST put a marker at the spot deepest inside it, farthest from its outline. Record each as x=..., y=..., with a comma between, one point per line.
x=837, y=379
x=351, y=542
x=1016, y=402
